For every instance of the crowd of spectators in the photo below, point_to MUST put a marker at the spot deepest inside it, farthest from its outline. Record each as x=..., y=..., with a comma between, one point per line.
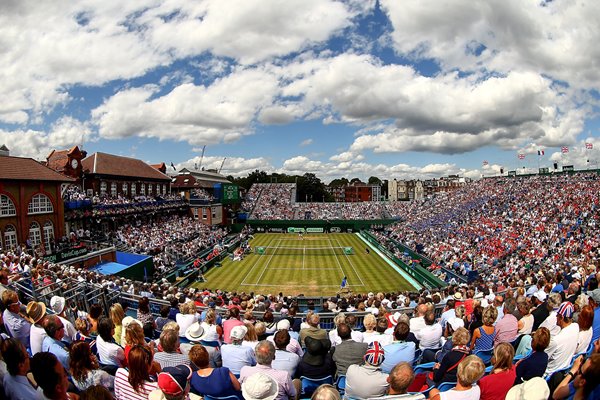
x=271, y=201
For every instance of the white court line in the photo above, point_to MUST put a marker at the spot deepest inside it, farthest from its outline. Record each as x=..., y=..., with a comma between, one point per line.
x=258, y=258
x=279, y=285
x=266, y=266
x=296, y=269
x=351, y=264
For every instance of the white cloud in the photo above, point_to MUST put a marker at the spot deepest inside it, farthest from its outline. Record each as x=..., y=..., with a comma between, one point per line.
x=306, y=142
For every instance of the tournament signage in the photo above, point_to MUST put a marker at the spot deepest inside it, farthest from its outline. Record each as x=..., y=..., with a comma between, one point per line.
x=66, y=254
x=230, y=194
x=314, y=230
x=295, y=230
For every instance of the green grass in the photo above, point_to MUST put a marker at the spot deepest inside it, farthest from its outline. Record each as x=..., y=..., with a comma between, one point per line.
x=314, y=273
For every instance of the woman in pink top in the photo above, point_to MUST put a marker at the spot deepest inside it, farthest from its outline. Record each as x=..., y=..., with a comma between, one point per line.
x=230, y=323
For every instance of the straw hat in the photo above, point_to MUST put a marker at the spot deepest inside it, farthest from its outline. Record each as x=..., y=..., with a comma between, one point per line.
x=36, y=310
x=195, y=332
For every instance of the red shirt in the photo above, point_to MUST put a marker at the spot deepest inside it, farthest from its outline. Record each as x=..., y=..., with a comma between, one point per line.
x=496, y=386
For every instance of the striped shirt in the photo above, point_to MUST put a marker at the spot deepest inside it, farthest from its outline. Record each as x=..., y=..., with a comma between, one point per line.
x=166, y=359
x=124, y=391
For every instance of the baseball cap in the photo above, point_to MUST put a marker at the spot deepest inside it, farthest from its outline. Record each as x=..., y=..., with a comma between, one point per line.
x=375, y=354
x=566, y=309
x=238, y=332
x=173, y=380
x=260, y=386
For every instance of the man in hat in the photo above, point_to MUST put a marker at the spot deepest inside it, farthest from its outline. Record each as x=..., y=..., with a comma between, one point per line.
x=17, y=324
x=174, y=384
x=265, y=354
x=594, y=297
x=400, y=350
x=36, y=311
x=57, y=304
x=541, y=311
x=349, y=351
x=260, y=387
x=234, y=355
x=196, y=334
x=367, y=380
x=562, y=346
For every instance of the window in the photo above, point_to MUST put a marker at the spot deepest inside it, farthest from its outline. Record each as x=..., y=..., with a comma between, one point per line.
x=124, y=189
x=10, y=237
x=40, y=204
x=48, y=235
x=102, y=187
x=113, y=189
x=195, y=212
x=35, y=234
x=133, y=189
x=204, y=213
x=214, y=213
x=164, y=189
x=150, y=189
x=143, y=189
x=7, y=207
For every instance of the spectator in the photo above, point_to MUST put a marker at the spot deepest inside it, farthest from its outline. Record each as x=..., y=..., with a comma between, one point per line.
x=15, y=383
x=55, y=331
x=117, y=315
x=174, y=384
x=134, y=383
x=208, y=380
x=265, y=354
x=143, y=312
x=594, y=297
x=196, y=335
x=542, y=308
x=313, y=330
x=551, y=322
x=470, y=370
x=535, y=388
x=525, y=324
x=293, y=345
x=497, y=384
x=585, y=322
x=109, y=353
x=326, y=392
x=234, y=355
x=370, y=323
x=232, y=321
x=316, y=363
x=94, y=318
x=562, y=346
x=348, y=352
x=85, y=370
x=36, y=311
x=400, y=350
x=170, y=355
x=536, y=363
x=187, y=316
x=400, y=378
x=163, y=319
x=483, y=338
x=285, y=360
x=260, y=387
x=508, y=326
x=50, y=376
x=581, y=380
x=429, y=336
x=17, y=324
x=57, y=304
x=367, y=380
x=446, y=370
x=418, y=321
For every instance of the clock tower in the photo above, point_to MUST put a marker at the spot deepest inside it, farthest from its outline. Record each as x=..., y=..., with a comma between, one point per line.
x=67, y=162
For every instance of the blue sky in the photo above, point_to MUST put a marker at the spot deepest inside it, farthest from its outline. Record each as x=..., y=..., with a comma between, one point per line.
x=395, y=89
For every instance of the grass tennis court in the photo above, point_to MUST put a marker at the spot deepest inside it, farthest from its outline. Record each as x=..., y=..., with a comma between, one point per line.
x=313, y=266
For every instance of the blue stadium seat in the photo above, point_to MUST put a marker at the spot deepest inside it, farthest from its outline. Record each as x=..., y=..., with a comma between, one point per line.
x=341, y=384
x=208, y=397
x=445, y=386
x=309, y=385
x=485, y=355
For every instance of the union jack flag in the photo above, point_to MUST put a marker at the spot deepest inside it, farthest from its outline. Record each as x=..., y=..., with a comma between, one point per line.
x=589, y=146
x=564, y=149
x=521, y=156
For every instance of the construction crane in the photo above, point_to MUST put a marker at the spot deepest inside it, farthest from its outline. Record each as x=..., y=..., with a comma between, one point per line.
x=221, y=167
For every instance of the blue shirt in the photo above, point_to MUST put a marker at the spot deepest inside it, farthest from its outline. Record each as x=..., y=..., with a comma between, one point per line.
x=396, y=352
x=18, y=387
x=57, y=348
x=17, y=326
x=596, y=325
x=235, y=357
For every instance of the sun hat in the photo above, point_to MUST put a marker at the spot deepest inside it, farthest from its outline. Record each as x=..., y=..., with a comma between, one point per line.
x=260, y=386
x=283, y=324
x=36, y=310
x=57, y=304
x=541, y=295
x=533, y=389
x=566, y=309
x=130, y=320
x=456, y=323
x=238, y=332
x=195, y=332
x=395, y=318
x=173, y=380
x=316, y=350
x=375, y=354
x=458, y=296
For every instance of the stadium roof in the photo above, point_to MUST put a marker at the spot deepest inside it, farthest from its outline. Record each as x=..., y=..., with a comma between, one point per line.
x=19, y=168
x=213, y=177
x=109, y=164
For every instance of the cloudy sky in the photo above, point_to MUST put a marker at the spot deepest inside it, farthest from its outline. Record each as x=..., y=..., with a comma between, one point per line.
x=411, y=88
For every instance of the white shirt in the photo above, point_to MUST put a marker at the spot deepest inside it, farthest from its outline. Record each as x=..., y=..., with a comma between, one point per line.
x=584, y=340
x=472, y=394
x=562, y=348
x=416, y=324
x=36, y=337
x=429, y=337
x=70, y=330
x=550, y=323
x=109, y=353
x=335, y=339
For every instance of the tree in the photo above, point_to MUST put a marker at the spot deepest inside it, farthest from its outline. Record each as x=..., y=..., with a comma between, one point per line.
x=375, y=181
x=338, y=182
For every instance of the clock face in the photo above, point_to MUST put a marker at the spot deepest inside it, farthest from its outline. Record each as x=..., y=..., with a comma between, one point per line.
x=74, y=164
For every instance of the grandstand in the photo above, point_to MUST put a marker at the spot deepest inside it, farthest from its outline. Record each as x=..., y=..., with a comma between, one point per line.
x=521, y=245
